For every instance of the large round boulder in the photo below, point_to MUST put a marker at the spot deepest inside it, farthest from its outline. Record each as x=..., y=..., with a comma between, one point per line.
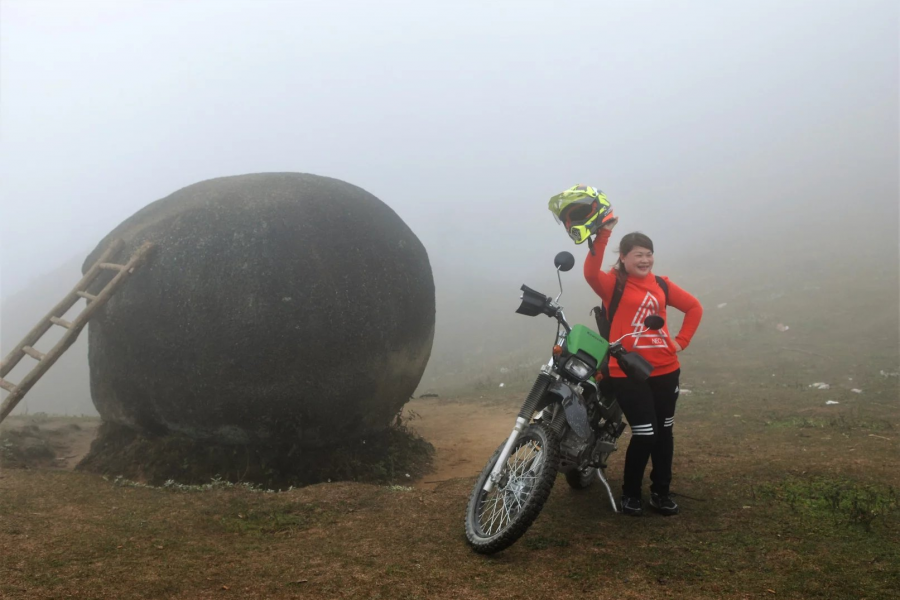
x=276, y=307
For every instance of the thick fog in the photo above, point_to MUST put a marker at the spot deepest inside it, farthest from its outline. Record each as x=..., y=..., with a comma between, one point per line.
x=754, y=141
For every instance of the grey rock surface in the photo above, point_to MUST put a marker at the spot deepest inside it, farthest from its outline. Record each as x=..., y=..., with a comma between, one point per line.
x=276, y=306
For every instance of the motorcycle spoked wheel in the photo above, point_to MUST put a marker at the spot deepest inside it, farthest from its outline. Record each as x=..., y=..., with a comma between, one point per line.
x=496, y=519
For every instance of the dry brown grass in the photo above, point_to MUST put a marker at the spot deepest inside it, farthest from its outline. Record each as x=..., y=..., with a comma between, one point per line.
x=782, y=496
x=743, y=530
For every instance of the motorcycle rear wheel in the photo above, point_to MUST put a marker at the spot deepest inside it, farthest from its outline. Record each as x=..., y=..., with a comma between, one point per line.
x=497, y=519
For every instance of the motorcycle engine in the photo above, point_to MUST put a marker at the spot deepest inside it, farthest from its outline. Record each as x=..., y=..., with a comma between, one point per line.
x=574, y=451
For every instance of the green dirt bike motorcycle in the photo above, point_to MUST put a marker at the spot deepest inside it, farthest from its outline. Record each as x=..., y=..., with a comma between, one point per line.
x=567, y=424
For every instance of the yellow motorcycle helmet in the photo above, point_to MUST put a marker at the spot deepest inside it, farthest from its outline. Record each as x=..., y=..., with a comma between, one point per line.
x=582, y=209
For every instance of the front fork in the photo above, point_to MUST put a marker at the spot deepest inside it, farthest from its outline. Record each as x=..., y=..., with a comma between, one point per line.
x=497, y=472
x=534, y=396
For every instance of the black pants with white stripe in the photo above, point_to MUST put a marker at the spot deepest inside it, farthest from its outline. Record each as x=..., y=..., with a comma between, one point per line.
x=649, y=407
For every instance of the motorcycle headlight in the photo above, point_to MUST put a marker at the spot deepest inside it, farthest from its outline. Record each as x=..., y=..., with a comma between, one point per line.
x=578, y=369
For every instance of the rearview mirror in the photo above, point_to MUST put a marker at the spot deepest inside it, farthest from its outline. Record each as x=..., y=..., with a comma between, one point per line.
x=654, y=322
x=564, y=261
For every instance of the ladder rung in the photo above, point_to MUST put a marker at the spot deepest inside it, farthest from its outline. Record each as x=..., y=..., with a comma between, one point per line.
x=112, y=267
x=33, y=353
x=54, y=317
x=60, y=322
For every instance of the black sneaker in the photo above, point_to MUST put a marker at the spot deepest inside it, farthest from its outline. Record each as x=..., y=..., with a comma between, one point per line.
x=632, y=506
x=663, y=504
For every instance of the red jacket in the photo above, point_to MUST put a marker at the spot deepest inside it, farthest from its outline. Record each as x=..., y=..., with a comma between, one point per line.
x=642, y=296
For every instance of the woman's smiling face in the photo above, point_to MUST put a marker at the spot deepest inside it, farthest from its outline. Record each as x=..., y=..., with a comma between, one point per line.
x=638, y=261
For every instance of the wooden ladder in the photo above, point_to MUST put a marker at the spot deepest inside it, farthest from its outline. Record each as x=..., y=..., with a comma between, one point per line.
x=73, y=328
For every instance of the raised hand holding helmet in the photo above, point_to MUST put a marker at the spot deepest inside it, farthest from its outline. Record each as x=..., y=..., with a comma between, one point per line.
x=582, y=209
x=609, y=221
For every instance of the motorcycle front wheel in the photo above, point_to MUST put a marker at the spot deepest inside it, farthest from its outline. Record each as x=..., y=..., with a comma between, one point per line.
x=496, y=519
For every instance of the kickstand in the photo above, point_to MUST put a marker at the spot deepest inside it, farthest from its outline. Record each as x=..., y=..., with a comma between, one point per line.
x=605, y=483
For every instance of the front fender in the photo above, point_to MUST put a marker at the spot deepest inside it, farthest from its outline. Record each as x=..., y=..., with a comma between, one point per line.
x=574, y=407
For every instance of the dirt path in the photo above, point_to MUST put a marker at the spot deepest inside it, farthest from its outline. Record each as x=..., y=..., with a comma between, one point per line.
x=464, y=435
x=79, y=445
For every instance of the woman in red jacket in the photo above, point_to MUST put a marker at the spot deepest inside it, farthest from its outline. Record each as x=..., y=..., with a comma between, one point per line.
x=649, y=406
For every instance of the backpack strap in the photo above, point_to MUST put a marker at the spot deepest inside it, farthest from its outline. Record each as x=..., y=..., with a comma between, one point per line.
x=604, y=314
x=664, y=286
x=621, y=278
x=604, y=317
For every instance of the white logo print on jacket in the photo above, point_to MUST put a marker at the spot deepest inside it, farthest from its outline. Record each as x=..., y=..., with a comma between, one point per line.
x=650, y=339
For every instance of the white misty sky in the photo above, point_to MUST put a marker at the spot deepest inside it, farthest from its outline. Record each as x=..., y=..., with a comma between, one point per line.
x=463, y=116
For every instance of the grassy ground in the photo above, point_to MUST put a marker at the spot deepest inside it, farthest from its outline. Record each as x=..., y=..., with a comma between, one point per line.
x=782, y=495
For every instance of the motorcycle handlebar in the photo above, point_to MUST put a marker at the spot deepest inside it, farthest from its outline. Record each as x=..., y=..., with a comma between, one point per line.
x=535, y=303
x=632, y=364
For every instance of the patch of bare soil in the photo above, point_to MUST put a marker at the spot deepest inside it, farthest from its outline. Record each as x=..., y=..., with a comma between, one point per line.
x=42, y=441
x=464, y=434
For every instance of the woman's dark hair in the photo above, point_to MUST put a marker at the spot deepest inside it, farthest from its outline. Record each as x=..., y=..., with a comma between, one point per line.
x=628, y=242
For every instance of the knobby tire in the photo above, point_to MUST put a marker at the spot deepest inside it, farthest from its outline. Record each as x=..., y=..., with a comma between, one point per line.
x=529, y=509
